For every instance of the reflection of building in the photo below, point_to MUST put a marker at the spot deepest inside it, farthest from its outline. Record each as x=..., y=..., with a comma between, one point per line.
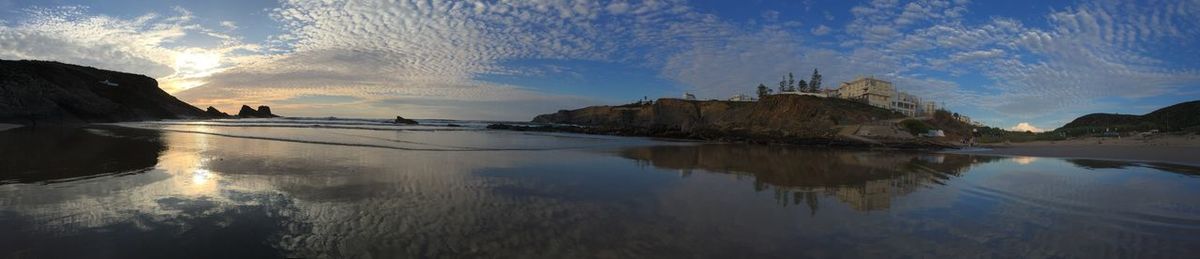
x=869, y=90
x=863, y=180
x=872, y=195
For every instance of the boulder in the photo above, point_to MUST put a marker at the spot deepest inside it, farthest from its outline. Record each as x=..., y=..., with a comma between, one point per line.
x=402, y=120
x=214, y=113
x=265, y=112
x=247, y=112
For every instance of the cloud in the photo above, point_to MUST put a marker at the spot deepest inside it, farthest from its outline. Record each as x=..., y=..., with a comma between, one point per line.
x=428, y=53
x=145, y=44
x=1082, y=55
x=433, y=53
x=821, y=30
x=1025, y=126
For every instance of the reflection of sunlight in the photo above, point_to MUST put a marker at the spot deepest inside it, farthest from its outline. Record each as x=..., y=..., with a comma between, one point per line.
x=1024, y=160
x=200, y=176
x=189, y=173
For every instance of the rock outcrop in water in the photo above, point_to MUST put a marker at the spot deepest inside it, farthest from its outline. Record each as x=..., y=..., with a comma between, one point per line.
x=214, y=113
x=33, y=92
x=262, y=112
x=402, y=120
x=792, y=119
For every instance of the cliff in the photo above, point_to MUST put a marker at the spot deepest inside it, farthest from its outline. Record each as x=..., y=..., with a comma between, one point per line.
x=1182, y=116
x=33, y=92
x=776, y=118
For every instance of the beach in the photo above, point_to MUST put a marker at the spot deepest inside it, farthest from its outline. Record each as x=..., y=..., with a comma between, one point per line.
x=1176, y=149
x=304, y=187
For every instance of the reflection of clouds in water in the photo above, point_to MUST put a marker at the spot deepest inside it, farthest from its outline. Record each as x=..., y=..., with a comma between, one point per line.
x=319, y=200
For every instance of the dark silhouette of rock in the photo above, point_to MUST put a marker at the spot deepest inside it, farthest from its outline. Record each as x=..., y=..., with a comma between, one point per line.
x=214, y=113
x=402, y=120
x=262, y=112
x=787, y=116
x=265, y=111
x=787, y=119
x=33, y=92
x=247, y=112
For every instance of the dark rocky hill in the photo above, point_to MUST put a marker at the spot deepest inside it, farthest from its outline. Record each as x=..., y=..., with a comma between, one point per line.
x=1171, y=118
x=33, y=92
x=776, y=118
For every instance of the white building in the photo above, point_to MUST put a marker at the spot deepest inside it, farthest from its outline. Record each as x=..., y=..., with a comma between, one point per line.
x=906, y=103
x=822, y=95
x=741, y=98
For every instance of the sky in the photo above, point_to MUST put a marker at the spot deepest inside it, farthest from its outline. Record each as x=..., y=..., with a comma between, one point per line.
x=1021, y=64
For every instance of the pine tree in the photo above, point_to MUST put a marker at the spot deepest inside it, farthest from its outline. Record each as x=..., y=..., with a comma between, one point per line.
x=763, y=91
x=783, y=84
x=791, y=82
x=803, y=86
x=814, y=84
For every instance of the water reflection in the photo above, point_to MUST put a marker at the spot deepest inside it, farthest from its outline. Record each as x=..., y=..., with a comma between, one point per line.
x=206, y=195
x=865, y=180
x=30, y=154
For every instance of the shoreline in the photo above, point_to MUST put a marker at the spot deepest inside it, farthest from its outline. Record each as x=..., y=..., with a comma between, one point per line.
x=1172, y=149
x=730, y=137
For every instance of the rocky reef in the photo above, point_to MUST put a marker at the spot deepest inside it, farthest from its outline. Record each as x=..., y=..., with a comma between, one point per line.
x=46, y=92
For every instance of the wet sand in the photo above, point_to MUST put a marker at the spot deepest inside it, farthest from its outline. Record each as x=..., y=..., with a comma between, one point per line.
x=1183, y=150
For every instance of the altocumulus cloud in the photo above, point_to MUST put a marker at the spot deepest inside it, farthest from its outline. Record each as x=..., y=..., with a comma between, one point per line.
x=430, y=58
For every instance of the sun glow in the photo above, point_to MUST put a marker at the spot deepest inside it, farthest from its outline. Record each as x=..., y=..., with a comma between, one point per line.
x=196, y=63
x=191, y=66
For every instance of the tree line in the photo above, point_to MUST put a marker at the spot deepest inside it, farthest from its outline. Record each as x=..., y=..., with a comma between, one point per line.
x=789, y=84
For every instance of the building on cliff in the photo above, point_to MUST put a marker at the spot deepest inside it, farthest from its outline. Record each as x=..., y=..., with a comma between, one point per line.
x=869, y=90
x=883, y=94
x=906, y=103
x=741, y=98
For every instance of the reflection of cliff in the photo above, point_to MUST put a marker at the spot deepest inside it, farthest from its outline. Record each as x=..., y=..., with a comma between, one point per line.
x=864, y=180
x=41, y=154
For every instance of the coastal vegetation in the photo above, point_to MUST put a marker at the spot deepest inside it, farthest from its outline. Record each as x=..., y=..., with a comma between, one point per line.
x=1182, y=117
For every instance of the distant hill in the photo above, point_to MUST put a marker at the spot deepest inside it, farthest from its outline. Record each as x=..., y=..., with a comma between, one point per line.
x=46, y=92
x=1182, y=116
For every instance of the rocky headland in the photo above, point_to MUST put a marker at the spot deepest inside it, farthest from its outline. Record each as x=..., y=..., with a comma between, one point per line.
x=781, y=119
x=46, y=92
x=53, y=93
